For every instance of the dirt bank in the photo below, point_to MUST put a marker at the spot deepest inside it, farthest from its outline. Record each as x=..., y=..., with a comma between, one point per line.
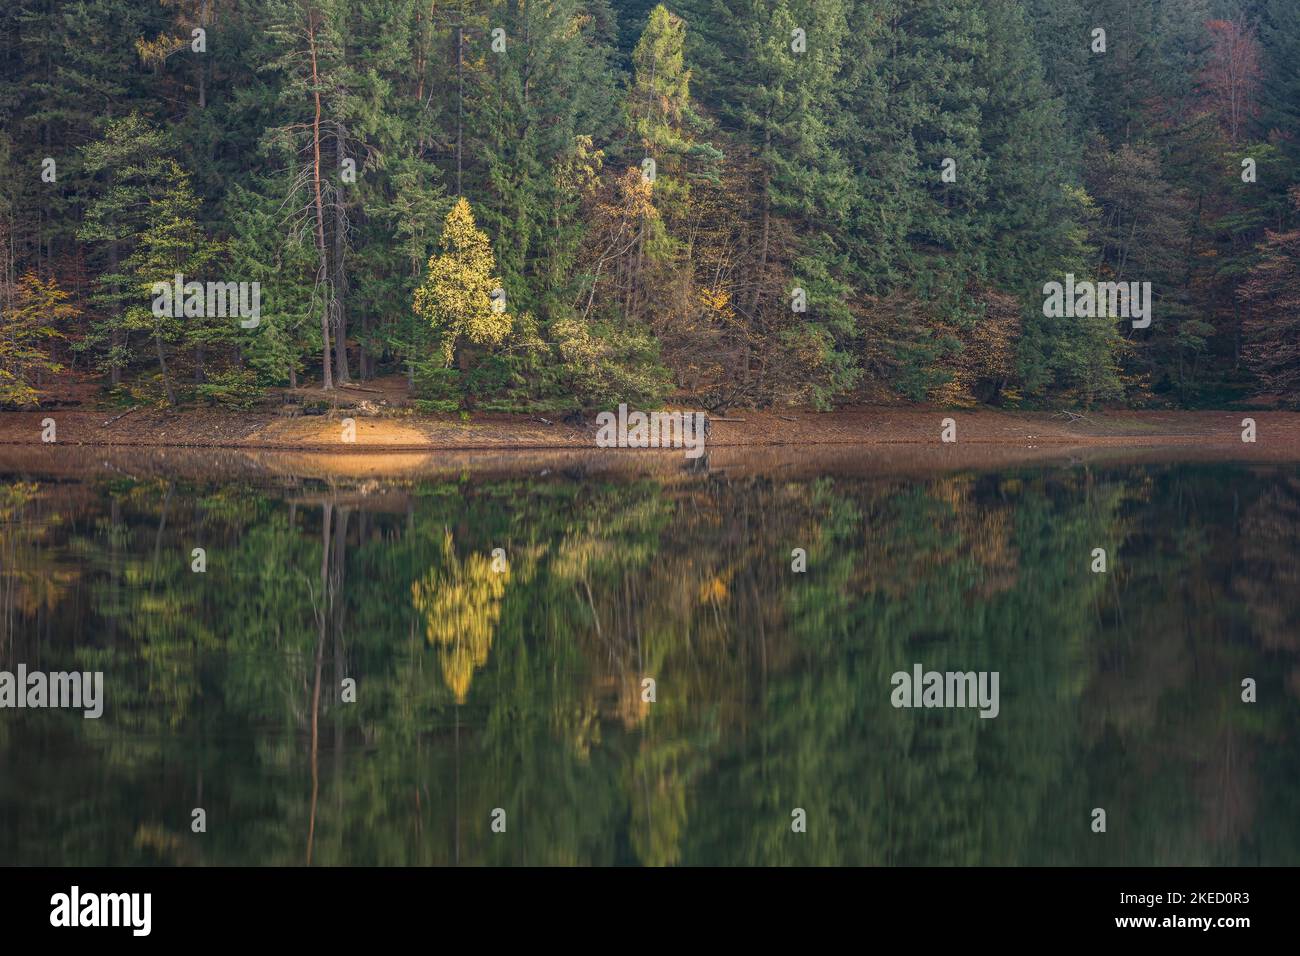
x=861, y=441
x=1278, y=432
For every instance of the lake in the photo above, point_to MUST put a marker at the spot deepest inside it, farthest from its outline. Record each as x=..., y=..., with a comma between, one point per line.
x=577, y=665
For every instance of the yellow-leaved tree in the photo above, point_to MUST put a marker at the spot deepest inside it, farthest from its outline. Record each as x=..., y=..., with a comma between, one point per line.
x=25, y=331
x=456, y=297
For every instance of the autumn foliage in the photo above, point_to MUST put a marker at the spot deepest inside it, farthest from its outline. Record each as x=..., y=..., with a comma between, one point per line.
x=27, y=331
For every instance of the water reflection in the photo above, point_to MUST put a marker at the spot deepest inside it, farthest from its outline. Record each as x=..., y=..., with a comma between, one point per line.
x=517, y=681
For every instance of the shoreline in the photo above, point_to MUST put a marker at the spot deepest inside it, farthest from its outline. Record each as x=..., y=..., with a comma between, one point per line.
x=1277, y=433
x=866, y=442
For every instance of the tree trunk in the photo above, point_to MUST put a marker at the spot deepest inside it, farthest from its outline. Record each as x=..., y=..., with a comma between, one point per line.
x=162, y=363
x=339, y=282
x=327, y=380
x=201, y=61
x=117, y=338
x=767, y=222
x=366, y=361
x=460, y=100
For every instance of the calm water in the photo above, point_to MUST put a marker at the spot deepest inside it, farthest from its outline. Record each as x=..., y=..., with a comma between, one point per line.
x=522, y=690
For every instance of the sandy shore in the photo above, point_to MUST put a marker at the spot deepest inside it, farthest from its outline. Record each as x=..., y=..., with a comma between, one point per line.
x=853, y=440
x=1277, y=432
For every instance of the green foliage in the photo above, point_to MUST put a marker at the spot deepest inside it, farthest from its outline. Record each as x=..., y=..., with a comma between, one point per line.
x=896, y=160
x=282, y=264
x=608, y=365
x=231, y=388
x=456, y=297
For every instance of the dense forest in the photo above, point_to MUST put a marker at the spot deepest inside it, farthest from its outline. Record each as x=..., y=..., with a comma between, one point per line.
x=576, y=202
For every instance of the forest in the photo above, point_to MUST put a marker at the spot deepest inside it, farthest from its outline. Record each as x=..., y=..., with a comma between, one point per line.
x=569, y=204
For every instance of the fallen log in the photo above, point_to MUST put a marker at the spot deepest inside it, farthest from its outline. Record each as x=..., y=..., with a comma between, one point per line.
x=133, y=408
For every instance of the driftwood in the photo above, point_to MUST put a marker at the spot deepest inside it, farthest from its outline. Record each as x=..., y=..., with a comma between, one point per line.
x=133, y=408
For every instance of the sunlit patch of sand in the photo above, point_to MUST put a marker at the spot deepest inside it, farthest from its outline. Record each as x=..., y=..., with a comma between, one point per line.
x=322, y=431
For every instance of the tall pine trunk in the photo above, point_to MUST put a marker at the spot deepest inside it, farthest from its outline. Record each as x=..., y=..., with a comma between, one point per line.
x=339, y=279
x=162, y=364
x=200, y=62
x=117, y=338
x=767, y=219
x=322, y=274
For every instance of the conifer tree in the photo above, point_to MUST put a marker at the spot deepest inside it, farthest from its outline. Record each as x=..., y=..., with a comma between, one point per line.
x=130, y=166
x=550, y=90
x=1280, y=93
x=456, y=296
x=172, y=243
x=283, y=265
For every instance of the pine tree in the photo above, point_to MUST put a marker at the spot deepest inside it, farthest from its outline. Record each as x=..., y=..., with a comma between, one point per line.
x=1140, y=235
x=309, y=37
x=130, y=166
x=78, y=73
x=774, y=67
x=1061, y=33
x=172, y=243
x=547, y=93
x=1123, y=79
x=1280, y=38
x=917, y=239
x=658, y=117
x=1032, y=213
x=283, y=265
x=456, y=296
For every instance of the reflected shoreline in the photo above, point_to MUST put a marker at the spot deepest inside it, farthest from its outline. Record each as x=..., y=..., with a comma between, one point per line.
x=777, y=460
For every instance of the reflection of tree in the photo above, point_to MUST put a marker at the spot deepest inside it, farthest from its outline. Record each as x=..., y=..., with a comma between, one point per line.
x=1164, y=724
x=772, y=687
x=461, y=603
x=657, y=782
x=985, y=575
x=32, y=579
x=1269, y=565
